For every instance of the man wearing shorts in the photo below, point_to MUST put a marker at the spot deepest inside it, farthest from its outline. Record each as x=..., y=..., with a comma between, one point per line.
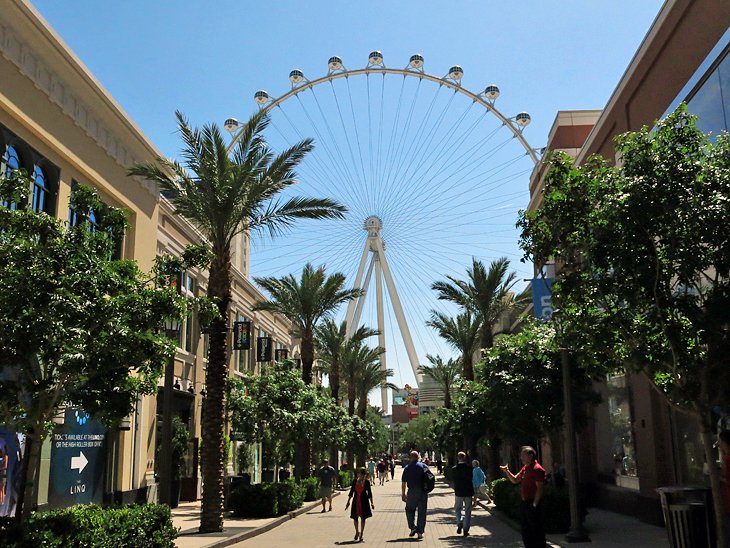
x=326, y=476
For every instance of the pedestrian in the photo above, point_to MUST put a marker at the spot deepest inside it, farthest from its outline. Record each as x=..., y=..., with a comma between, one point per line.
x=326, y=476
x=382, y=471
x=479, y=481
x=531, y=479
x=371, y=468
x=440, y=465
x=416, y=498
x=461, y=475
x=363, y=494
x=392, y=467
x=723, y=440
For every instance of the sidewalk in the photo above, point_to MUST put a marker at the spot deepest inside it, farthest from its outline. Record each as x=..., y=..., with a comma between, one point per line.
x=388, y=525
x=186, y=517
x=607, y=530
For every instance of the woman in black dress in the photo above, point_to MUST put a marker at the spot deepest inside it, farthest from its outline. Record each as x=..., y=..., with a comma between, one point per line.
x=360, y=490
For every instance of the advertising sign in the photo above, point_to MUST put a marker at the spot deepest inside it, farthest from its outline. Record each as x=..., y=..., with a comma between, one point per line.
x=280, y=354
x=78, y=456
x=263, y=349
x=542, y=301
x=241, y=335
x=10, y=451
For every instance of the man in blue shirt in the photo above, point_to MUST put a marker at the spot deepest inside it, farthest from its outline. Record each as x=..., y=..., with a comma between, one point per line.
x=416, y=498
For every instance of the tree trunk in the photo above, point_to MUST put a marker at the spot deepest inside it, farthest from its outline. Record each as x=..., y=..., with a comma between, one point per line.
x=362, y=409
x=466, y=359
x=335, y=381
x=212, y=452
x=708, y=439
x=307, y=353
x=447, y=397
x=29, y=474
x=486, y=339
x=493, y=457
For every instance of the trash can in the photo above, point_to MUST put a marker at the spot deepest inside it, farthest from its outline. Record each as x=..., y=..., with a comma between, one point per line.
x=688, y=516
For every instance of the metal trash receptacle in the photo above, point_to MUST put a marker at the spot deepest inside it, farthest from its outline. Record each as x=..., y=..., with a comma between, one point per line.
x=688, y=516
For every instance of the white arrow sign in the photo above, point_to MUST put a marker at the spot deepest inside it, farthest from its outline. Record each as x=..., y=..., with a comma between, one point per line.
x=79, y=462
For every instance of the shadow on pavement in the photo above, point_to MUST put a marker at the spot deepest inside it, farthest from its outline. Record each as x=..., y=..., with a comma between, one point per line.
x=406, y=539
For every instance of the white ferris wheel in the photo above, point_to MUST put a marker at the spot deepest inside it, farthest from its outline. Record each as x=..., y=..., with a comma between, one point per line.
x=432, y=173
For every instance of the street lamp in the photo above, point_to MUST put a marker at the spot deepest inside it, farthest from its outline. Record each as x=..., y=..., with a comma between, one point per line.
x=576, y=533
x=172, y=330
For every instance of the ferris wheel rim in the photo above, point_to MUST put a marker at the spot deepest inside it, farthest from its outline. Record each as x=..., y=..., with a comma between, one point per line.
x=452, y=83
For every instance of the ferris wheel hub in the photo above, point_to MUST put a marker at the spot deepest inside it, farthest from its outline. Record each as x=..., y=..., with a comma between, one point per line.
x=373, y=225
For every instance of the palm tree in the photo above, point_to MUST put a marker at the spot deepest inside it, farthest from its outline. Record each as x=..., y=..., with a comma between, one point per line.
x=444, y=374
x=226, y=193
x=356, y=357
x=486, y=292
x=305, y=302
x=331, y=340
x=368, y=377
x=462, y=333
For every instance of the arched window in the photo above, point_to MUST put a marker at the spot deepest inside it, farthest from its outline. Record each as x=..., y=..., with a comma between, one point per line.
x=10, y=162
x=40, y=190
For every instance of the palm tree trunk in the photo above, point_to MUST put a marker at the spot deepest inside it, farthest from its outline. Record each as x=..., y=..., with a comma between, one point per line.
x=362, y=409
x=486, y=339
x=447, y=397
x=307, y=353
x=466, y=359
x=335, y=390
x=212, y=452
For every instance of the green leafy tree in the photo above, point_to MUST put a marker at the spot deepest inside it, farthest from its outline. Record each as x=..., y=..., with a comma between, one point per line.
x=226, y=193
x=419, y=434
x=277, y=408
x=486, y=292
x=645, y=279
x=461, y=333
x=76, y=328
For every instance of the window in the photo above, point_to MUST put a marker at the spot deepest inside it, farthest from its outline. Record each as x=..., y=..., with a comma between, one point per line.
x=92, y=217
x=9, y=163
x=623, y=449
x=188, y=288
x=711, y=100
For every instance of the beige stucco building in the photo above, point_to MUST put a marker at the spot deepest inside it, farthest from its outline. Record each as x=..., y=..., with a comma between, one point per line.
x=64, y=128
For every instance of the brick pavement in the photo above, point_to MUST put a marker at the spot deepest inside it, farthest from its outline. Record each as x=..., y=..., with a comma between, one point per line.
x=388, y=526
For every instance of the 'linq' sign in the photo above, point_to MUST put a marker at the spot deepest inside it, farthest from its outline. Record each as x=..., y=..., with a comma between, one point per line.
x=542, y=299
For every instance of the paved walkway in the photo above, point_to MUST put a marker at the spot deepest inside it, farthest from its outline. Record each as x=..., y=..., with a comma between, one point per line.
x=388, y=526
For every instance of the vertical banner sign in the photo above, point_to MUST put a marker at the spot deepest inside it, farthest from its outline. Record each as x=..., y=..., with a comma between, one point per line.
x=241, y=335
x=542, y=299
x=78, y=456
x=263, y=349
x=280, y=354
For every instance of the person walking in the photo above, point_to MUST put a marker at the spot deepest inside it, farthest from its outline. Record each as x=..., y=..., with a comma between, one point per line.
x=326, y=476
x=391, y=464
x=463, y=493
x=531, y=479
x=361, y=510
x=382, y=471
x=414, y=495
x=371, y=469
x=479, y=481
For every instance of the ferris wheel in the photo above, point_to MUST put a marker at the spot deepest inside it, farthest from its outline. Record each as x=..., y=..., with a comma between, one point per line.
x=432, y=173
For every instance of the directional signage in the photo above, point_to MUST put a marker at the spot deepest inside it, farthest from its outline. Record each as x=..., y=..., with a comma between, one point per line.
x=78, y=456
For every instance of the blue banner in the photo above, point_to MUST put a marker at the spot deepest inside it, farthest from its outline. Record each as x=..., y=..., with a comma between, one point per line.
x=542, y=300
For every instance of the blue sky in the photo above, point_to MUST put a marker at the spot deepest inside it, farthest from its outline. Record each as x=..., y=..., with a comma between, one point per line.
x=208, y=58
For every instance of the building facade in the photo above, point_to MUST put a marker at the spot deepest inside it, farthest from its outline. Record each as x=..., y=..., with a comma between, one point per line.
x=636, y=442
x=60, y=125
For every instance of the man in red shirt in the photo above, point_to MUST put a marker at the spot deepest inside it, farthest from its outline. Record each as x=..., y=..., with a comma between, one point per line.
x=531, y=479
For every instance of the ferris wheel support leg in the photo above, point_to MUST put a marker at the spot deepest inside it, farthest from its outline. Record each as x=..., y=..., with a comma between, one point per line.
x=351, y=305
x=398, y=309
x=361, y=300
x=381, y=326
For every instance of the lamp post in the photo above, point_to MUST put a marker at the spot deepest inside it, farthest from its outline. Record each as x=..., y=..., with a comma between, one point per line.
x=172, y=329
x=576, y=533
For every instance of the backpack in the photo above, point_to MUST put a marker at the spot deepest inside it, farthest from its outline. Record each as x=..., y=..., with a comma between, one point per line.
x=429, y=480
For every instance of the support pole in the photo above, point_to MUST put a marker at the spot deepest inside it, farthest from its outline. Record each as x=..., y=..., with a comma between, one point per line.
x=381, y=325
x=351, y=305
x=361, y=299
x=576, y=532
x=165, y=464
x=398, y=309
